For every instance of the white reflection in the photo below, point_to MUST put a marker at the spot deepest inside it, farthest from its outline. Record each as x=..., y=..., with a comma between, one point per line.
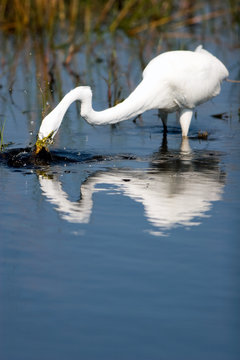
x=177, y=190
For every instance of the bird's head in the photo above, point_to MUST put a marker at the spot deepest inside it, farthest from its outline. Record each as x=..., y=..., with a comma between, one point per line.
x=51, y=123
x=47, y=131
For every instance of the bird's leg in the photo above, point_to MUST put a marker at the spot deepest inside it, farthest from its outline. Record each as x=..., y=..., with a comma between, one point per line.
x=178, y=115
x=163, y=115
x=185, y=120
x=185, y=147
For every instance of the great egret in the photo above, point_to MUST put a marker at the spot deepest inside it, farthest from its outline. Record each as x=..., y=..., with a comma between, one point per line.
x=175, y=81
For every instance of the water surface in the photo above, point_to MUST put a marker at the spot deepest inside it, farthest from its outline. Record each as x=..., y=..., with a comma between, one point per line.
x=127, y=245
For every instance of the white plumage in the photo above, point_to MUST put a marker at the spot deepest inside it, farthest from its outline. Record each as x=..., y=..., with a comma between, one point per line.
x=173, y=81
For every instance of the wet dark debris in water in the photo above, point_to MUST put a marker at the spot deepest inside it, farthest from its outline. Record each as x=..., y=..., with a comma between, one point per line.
x=222, y=116
x=27, y=158
x=203, y=135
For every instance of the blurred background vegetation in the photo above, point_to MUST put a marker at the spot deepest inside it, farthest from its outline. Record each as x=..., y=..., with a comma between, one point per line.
x=68, y=26
x=131, y=16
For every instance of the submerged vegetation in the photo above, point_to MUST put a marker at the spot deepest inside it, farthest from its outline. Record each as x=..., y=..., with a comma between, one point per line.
x=43, y=144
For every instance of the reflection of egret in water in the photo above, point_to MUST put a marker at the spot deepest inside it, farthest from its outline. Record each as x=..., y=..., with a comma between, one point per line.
x=177, y=189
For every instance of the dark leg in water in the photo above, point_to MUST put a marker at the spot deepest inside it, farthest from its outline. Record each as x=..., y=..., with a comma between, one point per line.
x=163, y=116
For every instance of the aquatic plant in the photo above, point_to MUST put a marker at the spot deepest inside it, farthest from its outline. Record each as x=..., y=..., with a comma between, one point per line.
x=45, y=99
x=43, y=143
x=2, y=145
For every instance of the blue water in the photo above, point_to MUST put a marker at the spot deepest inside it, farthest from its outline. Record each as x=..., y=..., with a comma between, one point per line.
x=130, y=255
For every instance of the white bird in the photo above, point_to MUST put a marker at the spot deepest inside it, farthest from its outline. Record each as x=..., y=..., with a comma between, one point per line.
x=175, y=81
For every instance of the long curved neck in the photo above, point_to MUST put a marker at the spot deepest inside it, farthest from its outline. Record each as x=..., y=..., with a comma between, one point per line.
x=53, y=120
x=132, y=106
